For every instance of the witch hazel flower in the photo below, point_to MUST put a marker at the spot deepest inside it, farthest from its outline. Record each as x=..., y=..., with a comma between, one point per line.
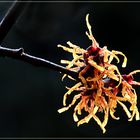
x=100, y=85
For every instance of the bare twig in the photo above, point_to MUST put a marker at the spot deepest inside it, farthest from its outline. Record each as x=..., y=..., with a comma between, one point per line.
x=10, y=18
x=20, y=55
x=8, y=21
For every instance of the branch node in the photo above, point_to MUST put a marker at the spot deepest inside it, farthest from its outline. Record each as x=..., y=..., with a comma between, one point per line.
x=20, y=51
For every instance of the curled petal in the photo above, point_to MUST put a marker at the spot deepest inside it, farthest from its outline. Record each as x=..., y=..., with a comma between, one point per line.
x=70, y=91
x=94, y=64
x=125, y=109
x=125, y=58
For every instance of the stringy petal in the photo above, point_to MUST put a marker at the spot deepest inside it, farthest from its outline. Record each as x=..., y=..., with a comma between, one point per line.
x=100, y=85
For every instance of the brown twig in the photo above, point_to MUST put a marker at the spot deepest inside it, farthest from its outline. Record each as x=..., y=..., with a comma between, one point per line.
x=21, y=55
x=10, y=18
x=8, y=21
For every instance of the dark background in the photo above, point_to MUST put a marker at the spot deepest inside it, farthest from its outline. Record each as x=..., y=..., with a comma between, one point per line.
x=30, y=96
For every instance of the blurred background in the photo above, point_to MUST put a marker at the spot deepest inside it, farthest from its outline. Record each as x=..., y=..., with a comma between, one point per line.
x=30, y=96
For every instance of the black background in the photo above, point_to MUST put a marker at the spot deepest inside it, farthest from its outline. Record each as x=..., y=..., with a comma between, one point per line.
x=31, y=96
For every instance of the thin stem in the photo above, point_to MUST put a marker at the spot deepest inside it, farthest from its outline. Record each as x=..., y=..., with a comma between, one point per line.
x=6, y=24
x=36, y=61
x=10, y=18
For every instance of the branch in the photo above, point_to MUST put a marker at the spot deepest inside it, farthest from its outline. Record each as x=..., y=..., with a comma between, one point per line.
x=10, y=18
x=20, y=55
x=6, y=24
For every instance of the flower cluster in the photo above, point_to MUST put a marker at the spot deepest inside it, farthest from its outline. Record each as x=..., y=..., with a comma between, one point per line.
x=101, y=86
